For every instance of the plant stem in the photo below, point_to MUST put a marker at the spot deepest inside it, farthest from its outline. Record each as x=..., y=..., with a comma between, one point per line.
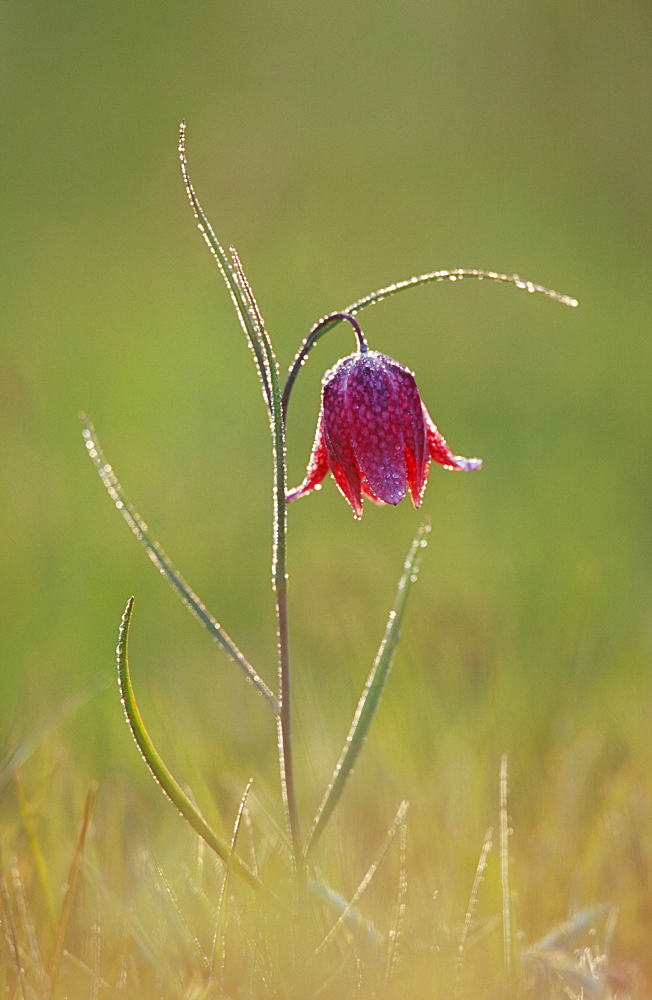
x=317, y=332
x=285, y=725
x=279, y=565
x=280, y=578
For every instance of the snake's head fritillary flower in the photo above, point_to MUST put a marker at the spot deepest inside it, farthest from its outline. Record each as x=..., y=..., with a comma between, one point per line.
x=375, y=435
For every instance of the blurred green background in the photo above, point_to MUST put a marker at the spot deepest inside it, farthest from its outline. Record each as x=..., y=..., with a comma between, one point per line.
x=340, y=147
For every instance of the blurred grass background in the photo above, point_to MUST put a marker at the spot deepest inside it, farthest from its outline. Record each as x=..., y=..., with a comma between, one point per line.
x=340, y=147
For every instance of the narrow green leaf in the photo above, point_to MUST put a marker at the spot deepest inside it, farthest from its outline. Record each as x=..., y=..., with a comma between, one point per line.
x=159, y=770
x=261, y=345
x=370, y=697
x=457, y=275
x=228, y=272
x=322, y=327
x=164, y=565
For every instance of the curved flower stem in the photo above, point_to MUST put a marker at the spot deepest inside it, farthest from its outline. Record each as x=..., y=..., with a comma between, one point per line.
x=318, y=331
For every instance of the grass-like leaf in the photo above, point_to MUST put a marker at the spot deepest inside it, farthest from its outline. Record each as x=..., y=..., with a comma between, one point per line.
x=164, y=565
x=370, y=697
x=471, y=908
x=456, y=275
x=323, y=326
x=395, y=936
x=252, y=323
x=159, y=770
x=243, y=306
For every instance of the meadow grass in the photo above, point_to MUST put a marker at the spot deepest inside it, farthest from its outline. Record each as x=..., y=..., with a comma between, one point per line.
x=107, y=893
x=463, y=860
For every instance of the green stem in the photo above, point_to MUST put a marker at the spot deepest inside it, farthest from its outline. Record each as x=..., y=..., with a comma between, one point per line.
x=280, y=580
x=279, y=569
x=284, y=723
x=317, y=332
x=254, y=328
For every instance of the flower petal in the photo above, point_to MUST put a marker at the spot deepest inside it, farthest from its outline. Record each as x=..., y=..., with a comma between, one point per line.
x=440, y=452
x=337, y=438
x=317, y=466
x=368, y=492
x=376, y=426
x=410, y=411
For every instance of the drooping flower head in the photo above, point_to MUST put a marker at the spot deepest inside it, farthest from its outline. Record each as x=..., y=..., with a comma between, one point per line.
x=374, y=434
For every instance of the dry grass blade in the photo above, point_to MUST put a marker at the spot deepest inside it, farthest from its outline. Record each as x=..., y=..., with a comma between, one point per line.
x=349, y=910
x=71, y=885
x=470, y=910
x=582, y=975
x=504, y=866
x=96, y=953
x=40, y=866
x=91, y=971
x=10, y=934
x=398, y=923
x=221, y=919
x=36, y=967
x=191, y=942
